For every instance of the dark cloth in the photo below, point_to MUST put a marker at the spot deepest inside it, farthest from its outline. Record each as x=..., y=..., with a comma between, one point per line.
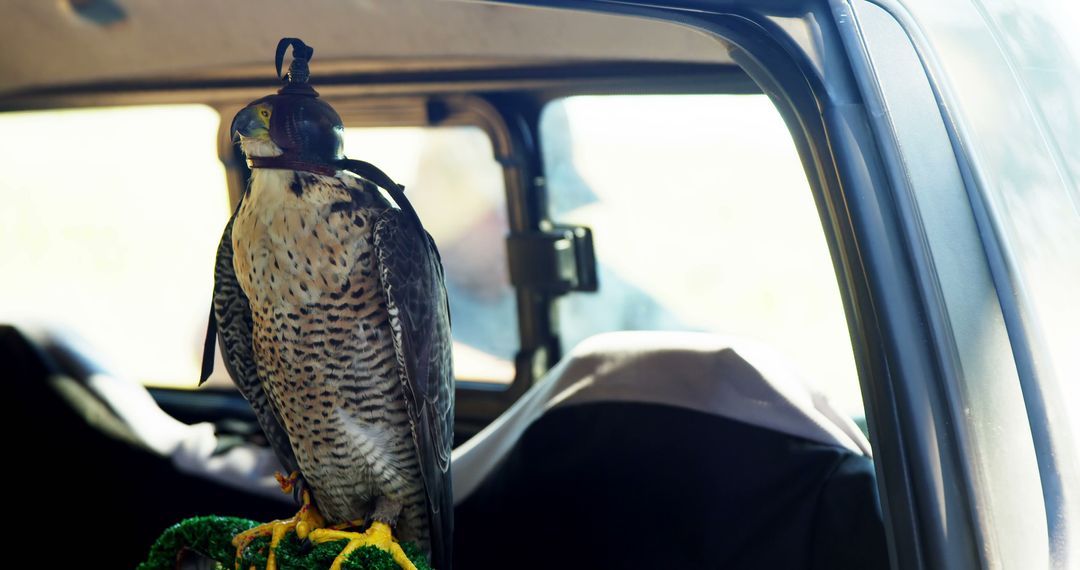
x=630, y=485
x=78, y=482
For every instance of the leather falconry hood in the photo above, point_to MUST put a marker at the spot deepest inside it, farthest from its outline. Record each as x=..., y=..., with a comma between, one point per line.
x=307, y=129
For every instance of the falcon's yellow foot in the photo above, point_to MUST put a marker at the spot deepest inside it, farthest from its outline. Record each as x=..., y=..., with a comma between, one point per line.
x=377, y=535
x=303, y=523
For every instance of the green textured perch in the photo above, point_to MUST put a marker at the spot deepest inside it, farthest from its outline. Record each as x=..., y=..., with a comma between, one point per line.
x=213, y=535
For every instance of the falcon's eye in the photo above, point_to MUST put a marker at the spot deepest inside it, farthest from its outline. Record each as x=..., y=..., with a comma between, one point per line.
x=264, y=114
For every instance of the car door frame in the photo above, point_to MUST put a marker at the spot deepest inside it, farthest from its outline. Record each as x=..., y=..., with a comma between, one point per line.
x=909, y=258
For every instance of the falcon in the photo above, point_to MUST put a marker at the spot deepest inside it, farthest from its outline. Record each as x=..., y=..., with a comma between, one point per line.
x=332, y=319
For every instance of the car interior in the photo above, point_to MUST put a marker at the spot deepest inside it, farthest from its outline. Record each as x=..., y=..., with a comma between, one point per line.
x=652, y=362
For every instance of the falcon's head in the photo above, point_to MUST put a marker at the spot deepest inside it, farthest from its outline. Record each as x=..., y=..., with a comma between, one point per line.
x=295, y=122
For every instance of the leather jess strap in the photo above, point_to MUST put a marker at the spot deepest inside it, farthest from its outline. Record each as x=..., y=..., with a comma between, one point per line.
x=365, y=170
x=286, y=163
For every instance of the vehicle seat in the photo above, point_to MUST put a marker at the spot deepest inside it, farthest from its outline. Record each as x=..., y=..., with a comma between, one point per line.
x=668, y=450
x=86, y=447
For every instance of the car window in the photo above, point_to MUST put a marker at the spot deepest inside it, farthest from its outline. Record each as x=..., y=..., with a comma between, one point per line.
x=702, y=220
x=110, y=222
x=452, y=179
x=122, y=254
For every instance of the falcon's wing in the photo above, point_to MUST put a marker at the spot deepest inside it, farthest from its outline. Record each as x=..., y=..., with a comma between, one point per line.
x=412, y=277
x=232, y=314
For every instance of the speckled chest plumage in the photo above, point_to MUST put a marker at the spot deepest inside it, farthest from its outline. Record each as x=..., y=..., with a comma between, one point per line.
x=322, y=340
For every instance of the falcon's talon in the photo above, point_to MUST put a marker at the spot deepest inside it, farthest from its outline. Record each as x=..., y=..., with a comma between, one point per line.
x=287, y=483
x=377, y=535
x=303, y=523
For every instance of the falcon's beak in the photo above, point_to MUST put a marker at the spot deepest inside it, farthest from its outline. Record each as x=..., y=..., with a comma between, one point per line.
x=251, y=122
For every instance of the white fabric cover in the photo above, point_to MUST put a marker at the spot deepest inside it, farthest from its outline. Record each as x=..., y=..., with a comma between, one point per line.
x=703, y=372
x=191, y=448
x=247, y=467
